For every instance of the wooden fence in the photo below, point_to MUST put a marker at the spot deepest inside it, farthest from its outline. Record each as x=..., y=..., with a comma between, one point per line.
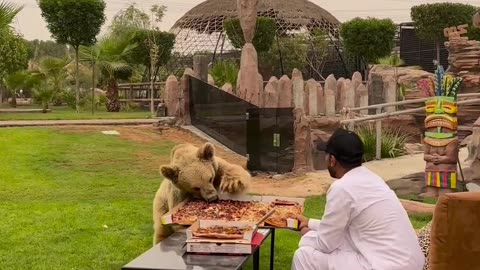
x=141, y=92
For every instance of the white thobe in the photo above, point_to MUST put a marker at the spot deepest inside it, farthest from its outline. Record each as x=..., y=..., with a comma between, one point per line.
x=364, y=227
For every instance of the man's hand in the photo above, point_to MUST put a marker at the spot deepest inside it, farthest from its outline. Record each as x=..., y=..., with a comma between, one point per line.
x=302, y=222
x=304, y=230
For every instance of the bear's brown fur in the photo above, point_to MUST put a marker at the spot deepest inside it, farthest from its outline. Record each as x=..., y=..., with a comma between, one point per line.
x=194, y=173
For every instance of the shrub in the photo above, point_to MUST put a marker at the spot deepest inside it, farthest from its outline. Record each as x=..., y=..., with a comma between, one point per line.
x=393, y=141
x=225, y=72
x=368, y=38
x=264, y=33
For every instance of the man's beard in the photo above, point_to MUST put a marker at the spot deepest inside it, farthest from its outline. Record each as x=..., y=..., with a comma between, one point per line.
x=332, y=172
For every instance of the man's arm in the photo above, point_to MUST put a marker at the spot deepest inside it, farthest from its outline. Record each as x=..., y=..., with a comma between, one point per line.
x=327, y=234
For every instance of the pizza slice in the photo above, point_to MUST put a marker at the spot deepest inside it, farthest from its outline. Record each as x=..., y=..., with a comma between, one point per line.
x=256, y=211
x=282, y=213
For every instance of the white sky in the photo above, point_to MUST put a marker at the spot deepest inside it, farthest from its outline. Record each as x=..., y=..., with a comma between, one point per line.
x=30, y=22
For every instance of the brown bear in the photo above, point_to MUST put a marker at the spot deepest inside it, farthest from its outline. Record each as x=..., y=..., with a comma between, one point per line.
x=194, y=173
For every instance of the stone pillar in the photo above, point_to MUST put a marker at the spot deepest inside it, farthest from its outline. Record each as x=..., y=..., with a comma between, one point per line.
x=330, y=95
x=173, y=95
x=356, y=80
x=362, y=94
x=298, y=89
x=200, y=67
x=302, y=156
x=320, y=99
x=338, y=96
x=312, y=93
x=271, y=94
x=285, y=92
x=250, y=88
x=390, y=92
x=347, y=94
x=184, y=104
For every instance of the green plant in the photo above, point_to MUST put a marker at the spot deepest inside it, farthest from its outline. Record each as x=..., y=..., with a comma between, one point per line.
x=225, y=71
x=74, y=22
x=369, y=38
x=264, y=33
x=393, y=141
x=431, y=19
x=8, y=11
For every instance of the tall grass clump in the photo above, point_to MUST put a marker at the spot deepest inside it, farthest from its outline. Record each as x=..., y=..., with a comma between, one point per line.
x=393, y=141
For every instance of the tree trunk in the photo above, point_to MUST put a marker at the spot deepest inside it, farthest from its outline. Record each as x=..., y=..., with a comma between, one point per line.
x=152, y=88
x=44, y=107
x=13, y=103
x=93, y=88
x=113, y=104
x=77, y=82
x=438, y=52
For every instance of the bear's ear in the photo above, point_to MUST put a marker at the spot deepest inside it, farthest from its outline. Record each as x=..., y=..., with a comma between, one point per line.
x=170, y=172
x=206, y=152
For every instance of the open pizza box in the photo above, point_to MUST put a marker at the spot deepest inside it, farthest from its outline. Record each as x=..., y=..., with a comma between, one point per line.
x=291, y=223
x=247, y=235
x=202, y=245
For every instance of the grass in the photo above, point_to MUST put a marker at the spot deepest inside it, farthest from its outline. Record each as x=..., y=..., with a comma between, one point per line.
x=83, y=201
x=67, y=113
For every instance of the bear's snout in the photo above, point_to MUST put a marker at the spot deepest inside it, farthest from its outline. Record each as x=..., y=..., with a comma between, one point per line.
x=212, y=199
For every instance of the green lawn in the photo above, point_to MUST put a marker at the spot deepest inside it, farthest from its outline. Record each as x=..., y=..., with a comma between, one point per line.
x=67, y=113
x=83, y=201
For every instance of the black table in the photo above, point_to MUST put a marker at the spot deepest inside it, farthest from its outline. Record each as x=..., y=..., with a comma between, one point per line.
x=170, y=254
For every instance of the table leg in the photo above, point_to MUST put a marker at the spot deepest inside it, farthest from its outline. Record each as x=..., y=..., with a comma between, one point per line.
x=256, y=259
x=272, y=249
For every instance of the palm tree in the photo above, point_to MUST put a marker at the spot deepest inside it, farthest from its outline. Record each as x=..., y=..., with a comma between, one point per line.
x=109, y=56
x=91, y=55
x=8, y=11
x=19, y=80
x=50, y=77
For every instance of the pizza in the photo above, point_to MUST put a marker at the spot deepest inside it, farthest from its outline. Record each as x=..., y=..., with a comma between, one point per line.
x=230, y=210
x=283, y=210
x=221, y=210
x=221, y=232
x=256, y=211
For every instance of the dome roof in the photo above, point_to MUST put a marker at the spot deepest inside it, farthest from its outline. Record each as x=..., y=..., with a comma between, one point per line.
x=208, y=16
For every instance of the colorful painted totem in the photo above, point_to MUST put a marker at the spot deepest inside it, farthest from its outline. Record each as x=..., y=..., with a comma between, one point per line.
x=441, y=141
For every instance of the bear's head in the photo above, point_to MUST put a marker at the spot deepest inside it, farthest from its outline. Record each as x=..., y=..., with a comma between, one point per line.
x=193, y=172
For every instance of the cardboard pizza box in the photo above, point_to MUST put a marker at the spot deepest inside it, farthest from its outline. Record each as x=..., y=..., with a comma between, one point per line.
x=247, y=235
x=228, y=248
x=291, y=223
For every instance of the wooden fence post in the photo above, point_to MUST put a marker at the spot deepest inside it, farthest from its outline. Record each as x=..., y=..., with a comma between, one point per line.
x=378, y=135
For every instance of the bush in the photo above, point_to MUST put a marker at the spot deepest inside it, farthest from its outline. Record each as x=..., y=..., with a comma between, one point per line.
x=368, y=38
x=393, y=141
x=264, y=33
x=225, y=72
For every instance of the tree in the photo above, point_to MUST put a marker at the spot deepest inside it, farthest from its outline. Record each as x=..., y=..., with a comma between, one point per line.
x=431, y=19
x=369, y=38
x=19, y=80
x=8, y=11
x=109, y=56
x=74, y=22
x=13, y=54
x=153, y=47
x=264, y=34
x=39, y=49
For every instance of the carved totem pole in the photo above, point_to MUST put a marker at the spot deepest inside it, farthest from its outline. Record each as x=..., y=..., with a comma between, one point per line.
x=441, y=141
x=250, y=82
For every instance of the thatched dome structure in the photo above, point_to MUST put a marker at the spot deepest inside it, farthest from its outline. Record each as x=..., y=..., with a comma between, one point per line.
x=201, y=28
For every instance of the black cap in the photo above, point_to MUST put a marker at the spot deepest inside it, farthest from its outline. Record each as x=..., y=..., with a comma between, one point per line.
x=346, y=146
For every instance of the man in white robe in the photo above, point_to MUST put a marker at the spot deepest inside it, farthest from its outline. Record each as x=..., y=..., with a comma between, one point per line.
x=364, y=226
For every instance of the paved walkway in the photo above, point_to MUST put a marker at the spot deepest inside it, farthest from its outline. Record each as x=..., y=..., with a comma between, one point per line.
x=29, y=123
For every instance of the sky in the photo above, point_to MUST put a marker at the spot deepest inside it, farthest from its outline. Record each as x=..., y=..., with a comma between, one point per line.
x=31, y=24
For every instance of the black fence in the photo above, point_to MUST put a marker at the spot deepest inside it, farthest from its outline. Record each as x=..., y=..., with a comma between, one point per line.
x=416, y=52
x=265, y=136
